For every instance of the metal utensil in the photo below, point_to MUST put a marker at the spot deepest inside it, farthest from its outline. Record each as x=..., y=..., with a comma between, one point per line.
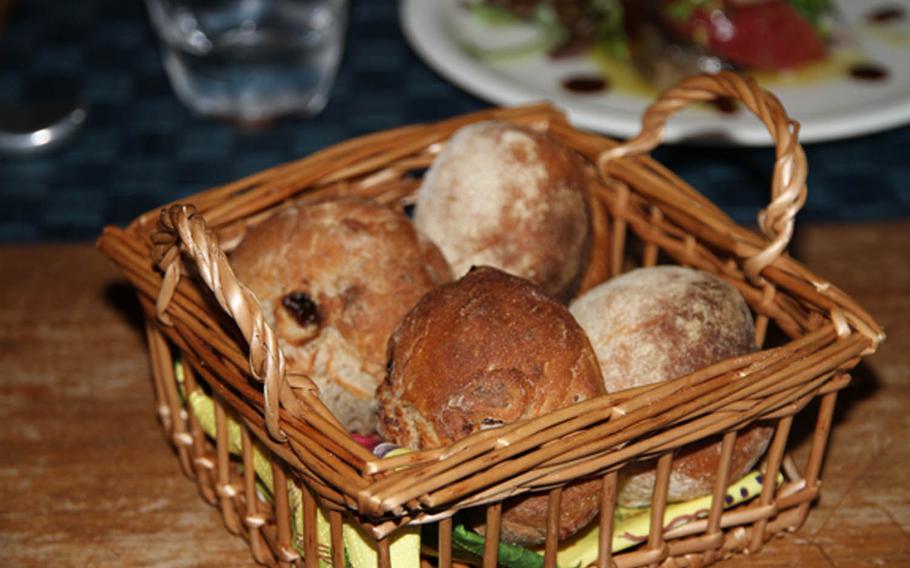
x=36, y=127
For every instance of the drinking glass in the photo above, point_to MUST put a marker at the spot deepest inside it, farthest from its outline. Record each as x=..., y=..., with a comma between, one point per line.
x=251, y=60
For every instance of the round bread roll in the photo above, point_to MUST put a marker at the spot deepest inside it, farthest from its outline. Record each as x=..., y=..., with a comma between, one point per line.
x=334, y=279
x=487, y=350
x=656, y=324
x=512, y=198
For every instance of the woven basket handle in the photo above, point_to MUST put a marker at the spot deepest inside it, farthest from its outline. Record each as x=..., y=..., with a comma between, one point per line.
x=788, y=185
x=180, y=228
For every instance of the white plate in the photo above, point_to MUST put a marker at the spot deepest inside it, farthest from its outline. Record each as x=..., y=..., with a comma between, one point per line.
x=830, y=108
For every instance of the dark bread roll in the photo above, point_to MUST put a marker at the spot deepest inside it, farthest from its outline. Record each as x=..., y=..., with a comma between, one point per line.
x=487, y=350
x=512, y=198
x=334, y=279
x=656, y=324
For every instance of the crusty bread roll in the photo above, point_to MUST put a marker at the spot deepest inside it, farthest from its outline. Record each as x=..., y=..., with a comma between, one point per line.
x=656, y=324
x=512, y=198
x=334, y=279
x=487, y=350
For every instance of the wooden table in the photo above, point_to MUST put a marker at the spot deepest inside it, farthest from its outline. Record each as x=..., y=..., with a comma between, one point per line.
x=86, y=478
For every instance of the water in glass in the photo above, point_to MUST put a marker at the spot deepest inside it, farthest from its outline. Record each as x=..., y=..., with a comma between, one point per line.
x=251, y=59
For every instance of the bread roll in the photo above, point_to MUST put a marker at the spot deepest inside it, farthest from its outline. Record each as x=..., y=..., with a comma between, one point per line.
x=508, y=197
x=655, y=324
x=487, y=350
x=334, y=279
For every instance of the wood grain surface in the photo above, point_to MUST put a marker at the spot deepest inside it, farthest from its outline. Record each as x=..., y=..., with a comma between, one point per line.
x=87, y=479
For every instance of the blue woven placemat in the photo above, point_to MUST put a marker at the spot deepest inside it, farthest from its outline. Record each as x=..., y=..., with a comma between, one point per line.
x=141, y=148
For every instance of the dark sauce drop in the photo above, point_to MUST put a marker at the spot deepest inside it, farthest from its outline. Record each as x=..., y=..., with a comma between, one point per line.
x=868, y=72
x=302, y=307
x=725, y=105
x=587, y=84
x=886, y=15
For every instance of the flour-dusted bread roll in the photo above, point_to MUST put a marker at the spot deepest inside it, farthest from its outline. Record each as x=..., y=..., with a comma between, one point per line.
x=656, y=324
x=512, y=198
x=487, y=350
x=334, y=279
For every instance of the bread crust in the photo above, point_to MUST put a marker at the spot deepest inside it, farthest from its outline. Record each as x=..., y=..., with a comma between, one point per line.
x=486, y=350
x=509, y=197
x=694, y=468
x=335, y=278
x=655, y=324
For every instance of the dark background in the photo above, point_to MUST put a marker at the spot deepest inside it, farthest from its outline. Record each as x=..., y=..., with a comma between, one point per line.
x=141, y=148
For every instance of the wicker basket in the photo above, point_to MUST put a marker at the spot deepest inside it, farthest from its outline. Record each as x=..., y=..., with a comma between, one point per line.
x=643, y=214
